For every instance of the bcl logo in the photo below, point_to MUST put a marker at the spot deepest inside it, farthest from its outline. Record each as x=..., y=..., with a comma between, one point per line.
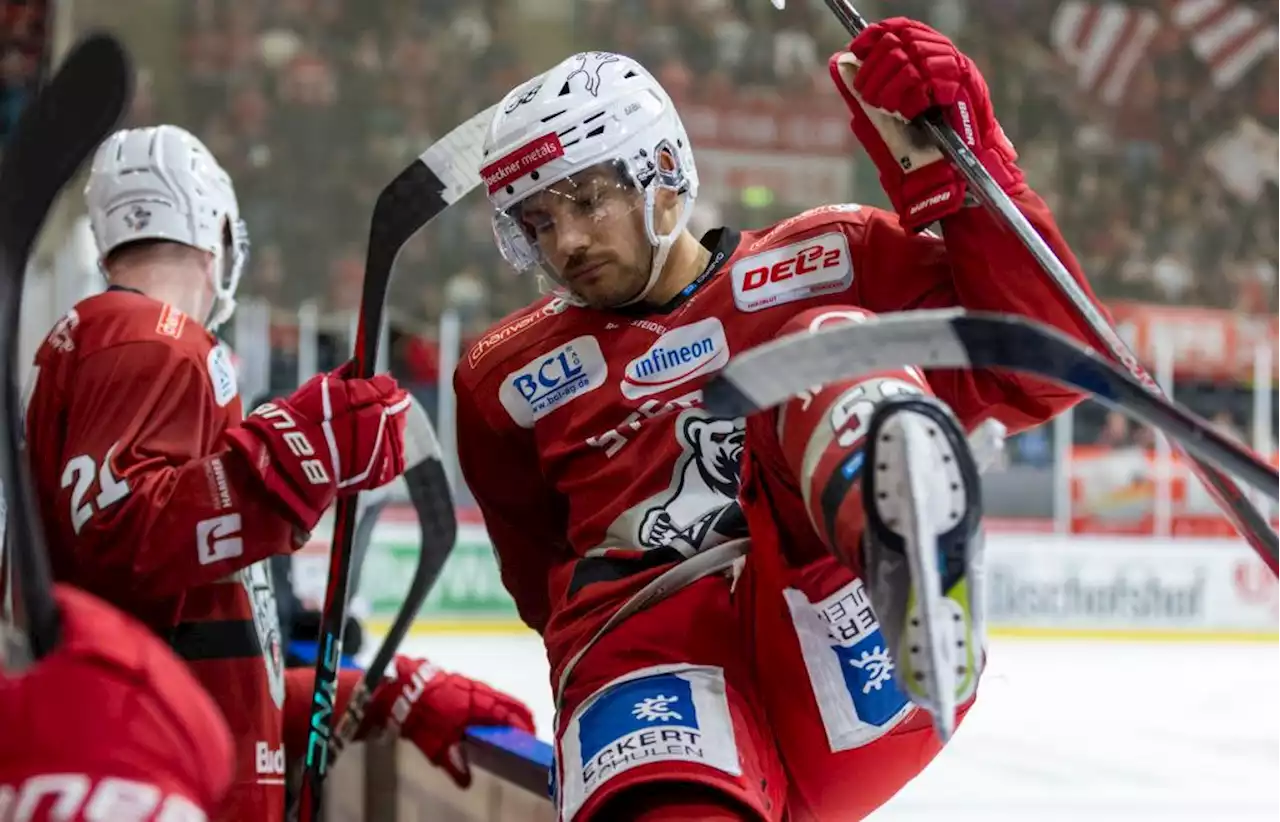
x=551, y=373
x=818, y=265
x=553, y=379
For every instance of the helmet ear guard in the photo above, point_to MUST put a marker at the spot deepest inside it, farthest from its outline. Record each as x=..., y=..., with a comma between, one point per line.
x=672, y=177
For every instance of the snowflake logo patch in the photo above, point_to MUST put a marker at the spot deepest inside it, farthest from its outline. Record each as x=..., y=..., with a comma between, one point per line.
x=656, y=709
x=877, y=664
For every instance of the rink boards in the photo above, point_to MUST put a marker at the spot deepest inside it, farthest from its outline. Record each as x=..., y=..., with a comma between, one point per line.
x=1039, y=585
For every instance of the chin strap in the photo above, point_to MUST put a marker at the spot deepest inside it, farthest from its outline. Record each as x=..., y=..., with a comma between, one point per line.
x=661, y=244
x=219, y=312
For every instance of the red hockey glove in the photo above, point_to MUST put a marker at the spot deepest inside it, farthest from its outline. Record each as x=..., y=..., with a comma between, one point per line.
x=335, y=435
x=893, y=72
x=433, y=709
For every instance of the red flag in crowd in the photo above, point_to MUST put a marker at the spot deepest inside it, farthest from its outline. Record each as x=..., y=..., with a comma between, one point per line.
x=1104, y=42
x=1230, y=37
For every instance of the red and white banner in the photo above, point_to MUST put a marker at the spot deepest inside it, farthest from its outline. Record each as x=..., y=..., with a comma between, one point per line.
x=803, y=153
x=1104, y=42
x=1207, y=342
x=1230, y=37
x=1114, y=491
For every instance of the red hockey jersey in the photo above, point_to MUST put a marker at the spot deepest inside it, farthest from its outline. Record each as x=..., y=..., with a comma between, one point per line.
x=145, y=506
x=580, y=432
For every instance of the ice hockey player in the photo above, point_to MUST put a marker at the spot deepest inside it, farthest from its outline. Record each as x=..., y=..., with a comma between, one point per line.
x=159, y=498
x=110, y=725
x=696, y=678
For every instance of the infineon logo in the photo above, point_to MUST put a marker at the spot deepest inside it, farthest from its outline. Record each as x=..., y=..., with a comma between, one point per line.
x=818, y=265
x=678, y=356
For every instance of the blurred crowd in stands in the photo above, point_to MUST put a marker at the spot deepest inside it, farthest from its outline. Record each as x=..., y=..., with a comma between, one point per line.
x=1163, y=181
x=314, y=105
x=24, y=26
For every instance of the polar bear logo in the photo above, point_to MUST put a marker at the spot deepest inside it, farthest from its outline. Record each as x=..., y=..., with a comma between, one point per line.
x=705, y=481
x=258, y=585
x=588, y=65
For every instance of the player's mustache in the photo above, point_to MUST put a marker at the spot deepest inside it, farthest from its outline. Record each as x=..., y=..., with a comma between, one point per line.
x=576, y=266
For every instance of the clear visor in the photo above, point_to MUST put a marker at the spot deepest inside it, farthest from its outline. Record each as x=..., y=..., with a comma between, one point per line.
x=556, y=226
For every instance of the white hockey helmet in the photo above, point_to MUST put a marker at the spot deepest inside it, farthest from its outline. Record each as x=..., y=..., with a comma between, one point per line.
x=161, y=183
x=594, y=107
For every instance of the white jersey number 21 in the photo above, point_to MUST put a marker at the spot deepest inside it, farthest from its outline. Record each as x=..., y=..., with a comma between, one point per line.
x=81, y=471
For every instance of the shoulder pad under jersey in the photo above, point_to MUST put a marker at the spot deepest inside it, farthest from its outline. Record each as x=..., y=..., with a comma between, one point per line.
x=512, y=334
x=824, y=215
x=121, y=317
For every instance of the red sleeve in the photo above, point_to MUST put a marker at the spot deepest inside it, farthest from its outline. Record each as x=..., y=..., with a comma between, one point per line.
x=150, y=500
x=524, y=517
x=983, y=267
x=993, y=271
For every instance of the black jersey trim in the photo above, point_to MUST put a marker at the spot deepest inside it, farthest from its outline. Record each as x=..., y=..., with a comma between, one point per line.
x=722, y=243
x=217, y=639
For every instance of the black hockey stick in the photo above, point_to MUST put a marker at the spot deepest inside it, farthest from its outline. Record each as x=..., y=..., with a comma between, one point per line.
x=441, y=176
x=508, y=753
x=433, y=502
x=1251, y=524
x=57, y=132
x=952, y=338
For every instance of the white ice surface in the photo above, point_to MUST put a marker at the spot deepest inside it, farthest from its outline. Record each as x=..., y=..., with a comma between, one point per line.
x=1062, y=730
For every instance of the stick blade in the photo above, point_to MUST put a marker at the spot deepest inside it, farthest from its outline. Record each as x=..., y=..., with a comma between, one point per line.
x=432, y=501
x=773, y=373
x=443, y=174
x=57, y=132
x=455, y=158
